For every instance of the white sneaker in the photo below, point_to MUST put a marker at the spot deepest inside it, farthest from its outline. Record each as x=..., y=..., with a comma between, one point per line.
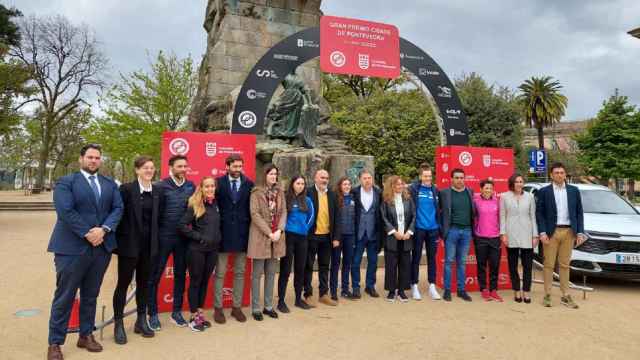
x=415, y=292
x=433, y=292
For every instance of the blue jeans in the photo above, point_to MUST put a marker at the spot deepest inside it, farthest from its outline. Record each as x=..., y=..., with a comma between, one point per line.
x=84, y=272
x=371, y=245
x=456, y=247
x=430, y=239
x=346, y=248
x=178, y=249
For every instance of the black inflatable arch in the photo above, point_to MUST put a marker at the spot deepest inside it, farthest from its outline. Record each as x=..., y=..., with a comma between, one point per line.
x=282, y=59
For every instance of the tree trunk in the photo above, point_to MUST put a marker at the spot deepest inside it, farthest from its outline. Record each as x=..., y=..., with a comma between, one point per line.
x=540, y=136
x=42, y=160
x=631, y=186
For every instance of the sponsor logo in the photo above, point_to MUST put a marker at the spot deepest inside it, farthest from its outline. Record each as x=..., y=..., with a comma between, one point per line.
x=167, y=298
x=307, y=43
x=452, y=132
x=427, y=72
x=412, y=57
x=486, y=160
x=285, y=57
x=445, y=167
x=465, y=158
x=247, y=119
x=363, y=61
x=215, y=172
x=253, y=94
x=445, y=91
x=264, y=73
x=211, y=149
x=179, y=146
x=337, y=59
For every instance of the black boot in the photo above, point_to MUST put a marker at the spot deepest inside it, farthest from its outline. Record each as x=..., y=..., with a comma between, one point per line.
x=119, y=333
x=141, y=327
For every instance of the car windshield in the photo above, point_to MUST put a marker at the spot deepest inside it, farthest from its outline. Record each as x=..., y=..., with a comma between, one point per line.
x=605, y=202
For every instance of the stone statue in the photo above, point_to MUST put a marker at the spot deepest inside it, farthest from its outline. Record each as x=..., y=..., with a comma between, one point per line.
x=293, y=115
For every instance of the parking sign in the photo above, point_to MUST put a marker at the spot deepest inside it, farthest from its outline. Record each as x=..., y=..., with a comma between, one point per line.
x=537, y=161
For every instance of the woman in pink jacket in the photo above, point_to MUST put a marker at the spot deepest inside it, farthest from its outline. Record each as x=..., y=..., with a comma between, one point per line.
x=486, y=232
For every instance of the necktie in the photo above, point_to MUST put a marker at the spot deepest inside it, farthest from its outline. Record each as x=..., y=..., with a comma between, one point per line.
x=94, y=187
x=234, y=190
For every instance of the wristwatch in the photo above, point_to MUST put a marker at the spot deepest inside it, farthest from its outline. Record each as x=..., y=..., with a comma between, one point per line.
x=106, y=229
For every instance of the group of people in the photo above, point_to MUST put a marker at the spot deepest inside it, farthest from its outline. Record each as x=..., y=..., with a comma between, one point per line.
x=229, y=218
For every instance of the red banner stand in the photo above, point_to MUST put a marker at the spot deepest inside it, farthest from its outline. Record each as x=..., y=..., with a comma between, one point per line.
x=206, y=153
x=478, y=164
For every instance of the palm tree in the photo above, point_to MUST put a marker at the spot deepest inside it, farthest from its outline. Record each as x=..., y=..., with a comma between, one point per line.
x=542, y=103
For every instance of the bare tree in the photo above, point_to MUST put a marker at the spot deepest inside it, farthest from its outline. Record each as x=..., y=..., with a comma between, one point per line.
x=66, y=61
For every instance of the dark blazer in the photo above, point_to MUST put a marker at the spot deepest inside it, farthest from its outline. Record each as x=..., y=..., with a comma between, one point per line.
x=414, y=189
x=334, y=228
x=235, y=217
x=445, y=209
x=78, y=212
x=129, y=234
x=390, y=219
x=377, y=194
x=547, y=213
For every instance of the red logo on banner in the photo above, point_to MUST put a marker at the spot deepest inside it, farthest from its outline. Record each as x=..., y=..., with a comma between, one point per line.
x=478, y=163
x=358, y=47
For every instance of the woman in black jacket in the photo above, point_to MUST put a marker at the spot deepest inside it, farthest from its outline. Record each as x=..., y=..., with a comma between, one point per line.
x=399, y=218
x=201, y=225
x=137, y=238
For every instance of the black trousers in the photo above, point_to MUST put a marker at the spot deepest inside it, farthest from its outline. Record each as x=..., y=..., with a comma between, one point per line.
x=319, y=245
x=488, y=254
x=201, y=265
x=297, y=254
x=397, y=270
x=126, y=267
x=526, y=256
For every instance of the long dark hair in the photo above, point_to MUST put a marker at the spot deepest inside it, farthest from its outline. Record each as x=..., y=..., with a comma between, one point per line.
x=338, y=190
x=301, y=198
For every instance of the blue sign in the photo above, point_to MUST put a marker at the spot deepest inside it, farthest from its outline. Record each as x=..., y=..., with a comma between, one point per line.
x=537, y=161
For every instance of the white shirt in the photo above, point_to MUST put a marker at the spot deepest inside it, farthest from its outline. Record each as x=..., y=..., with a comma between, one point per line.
x=237, y=180
x=366, y=198
x=321, y=191
x=86, y=176
x=397, y=200
x=560, y=195
x=176, y=181
x=143, y=189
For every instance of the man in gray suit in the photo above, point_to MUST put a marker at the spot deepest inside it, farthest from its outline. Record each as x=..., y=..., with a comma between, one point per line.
x=458, y=211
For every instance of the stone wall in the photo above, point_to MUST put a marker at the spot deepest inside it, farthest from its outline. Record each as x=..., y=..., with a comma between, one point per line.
x=239, y=33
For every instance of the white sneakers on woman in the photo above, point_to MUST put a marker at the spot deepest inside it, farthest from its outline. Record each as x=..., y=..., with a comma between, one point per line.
x=433, y=292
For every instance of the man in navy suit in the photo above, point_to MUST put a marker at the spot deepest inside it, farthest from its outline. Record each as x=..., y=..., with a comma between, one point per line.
x=89, y=208
x=561, y=225
x=232, y=194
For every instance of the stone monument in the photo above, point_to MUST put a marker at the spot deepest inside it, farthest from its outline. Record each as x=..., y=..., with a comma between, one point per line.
x=297, y=136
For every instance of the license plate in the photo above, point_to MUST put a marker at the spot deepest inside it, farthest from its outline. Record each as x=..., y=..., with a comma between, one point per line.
x=628, y=259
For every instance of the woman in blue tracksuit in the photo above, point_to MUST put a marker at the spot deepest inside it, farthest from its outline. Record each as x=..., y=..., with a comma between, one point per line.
x=300, y=214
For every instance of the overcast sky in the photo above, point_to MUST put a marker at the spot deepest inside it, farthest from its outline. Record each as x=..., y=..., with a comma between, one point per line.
x=582, y=43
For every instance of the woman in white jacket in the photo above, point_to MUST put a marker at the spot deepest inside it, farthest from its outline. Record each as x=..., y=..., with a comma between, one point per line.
x=519, y=233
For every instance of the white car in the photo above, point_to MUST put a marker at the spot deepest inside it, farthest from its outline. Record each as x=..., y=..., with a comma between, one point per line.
x=612, y=226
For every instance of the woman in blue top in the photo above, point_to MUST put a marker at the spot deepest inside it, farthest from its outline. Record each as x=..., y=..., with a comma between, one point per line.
x=346, y=220
x=300, y=214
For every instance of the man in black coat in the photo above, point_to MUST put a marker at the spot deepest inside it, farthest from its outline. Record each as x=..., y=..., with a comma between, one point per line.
x=369, y=233
x=176, y=190
x=233, y=191
x=323, y=236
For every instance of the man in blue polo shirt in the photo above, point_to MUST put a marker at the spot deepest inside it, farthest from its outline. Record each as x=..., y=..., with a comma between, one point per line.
x=425, y=196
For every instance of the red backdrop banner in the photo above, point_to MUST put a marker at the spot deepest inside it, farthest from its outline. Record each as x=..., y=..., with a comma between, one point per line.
x=478, y=163
x=358, y=47
x=206, y=153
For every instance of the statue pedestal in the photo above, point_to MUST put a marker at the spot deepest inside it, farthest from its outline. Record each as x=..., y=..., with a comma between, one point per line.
x=297, y=160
